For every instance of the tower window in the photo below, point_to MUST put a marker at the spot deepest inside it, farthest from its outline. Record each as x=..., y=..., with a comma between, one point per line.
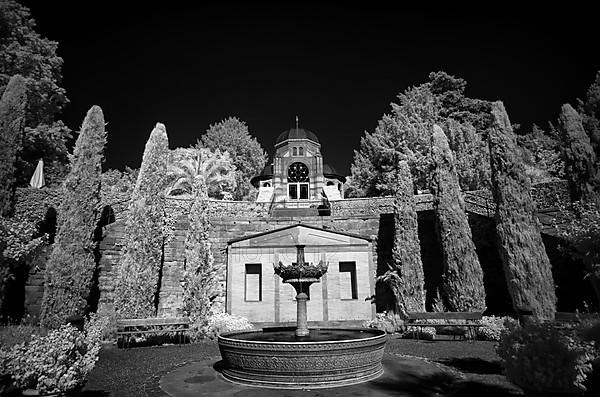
x=298, y=181
x=348, y=287
x=294, y=151
x=253, y=282
x=301, y=151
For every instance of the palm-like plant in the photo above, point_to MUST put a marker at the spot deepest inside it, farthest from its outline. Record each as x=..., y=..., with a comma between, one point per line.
x=215, y=169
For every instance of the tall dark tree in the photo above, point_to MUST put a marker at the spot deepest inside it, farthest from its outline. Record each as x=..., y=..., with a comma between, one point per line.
x=526, y=265
x=405, y=275
x=12, y=122
x=34, y=57
x=462, y=280
x=136, y=291
x=542, y=153
x=579, y=157
x=248, y=156
x=70, y=268
x=589, y=109
x=404, y=134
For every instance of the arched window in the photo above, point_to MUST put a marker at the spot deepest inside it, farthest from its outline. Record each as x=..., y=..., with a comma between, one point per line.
x=298, y=181
x=266, y=184
x=300, y=151
x=294, y=151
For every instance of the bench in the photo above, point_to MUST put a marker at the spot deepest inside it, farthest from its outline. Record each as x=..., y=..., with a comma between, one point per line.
x=563, y=318
x=468, y=321
x=131, y=328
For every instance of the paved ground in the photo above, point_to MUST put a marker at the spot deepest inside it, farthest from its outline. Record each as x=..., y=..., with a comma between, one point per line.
x=412, y=368
x=403, y=376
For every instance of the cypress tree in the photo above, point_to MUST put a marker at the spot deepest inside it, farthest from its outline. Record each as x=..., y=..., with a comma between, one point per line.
x=405, y=275
x=12, y=122
x=526, y=265
x=70, y=268
x=200, y=282
x=462, y=281
x=136, y=291
x=579, y=157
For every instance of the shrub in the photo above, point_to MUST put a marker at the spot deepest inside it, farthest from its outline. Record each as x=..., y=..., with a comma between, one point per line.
x=12, y=122
x=493, y=326
x=388, y=322
x=425, y=333
x=11, y=335
x=216, y=324
x=55, y=363
x=542, y=357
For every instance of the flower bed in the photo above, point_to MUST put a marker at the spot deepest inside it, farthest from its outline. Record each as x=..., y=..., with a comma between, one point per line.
x=57, y=362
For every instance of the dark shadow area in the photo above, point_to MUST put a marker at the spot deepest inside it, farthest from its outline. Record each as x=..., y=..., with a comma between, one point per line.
x=107, y=216
x=414, y=384
x=13, y=309
x=573, y=291
x=475, y=388
x=473, y=365
x=154, y=340
x=48, y=225
x=497, y=298
x=431, y=256
x=219, y=366
x=385, y=242
x=95, y=393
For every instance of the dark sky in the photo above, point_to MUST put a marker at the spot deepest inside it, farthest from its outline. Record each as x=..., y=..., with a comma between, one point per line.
x=336, y=66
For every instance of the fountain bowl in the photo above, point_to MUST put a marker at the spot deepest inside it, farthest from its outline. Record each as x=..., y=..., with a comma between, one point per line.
x=327, y=357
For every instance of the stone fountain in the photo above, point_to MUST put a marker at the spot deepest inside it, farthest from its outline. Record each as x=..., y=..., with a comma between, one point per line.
x=301, y=357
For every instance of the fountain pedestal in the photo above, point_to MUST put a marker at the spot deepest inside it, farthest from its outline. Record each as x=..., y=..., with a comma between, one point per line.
x=301, y=285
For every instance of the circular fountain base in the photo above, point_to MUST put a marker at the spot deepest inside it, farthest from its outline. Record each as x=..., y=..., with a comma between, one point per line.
x=325, y=358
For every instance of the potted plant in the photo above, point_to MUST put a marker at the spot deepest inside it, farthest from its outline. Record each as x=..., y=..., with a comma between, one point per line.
x=55, y=364
x=545, y=360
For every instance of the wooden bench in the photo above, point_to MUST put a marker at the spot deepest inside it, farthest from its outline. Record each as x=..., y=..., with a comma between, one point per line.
x=131, y=328
x=468, y=321
x=563, y=318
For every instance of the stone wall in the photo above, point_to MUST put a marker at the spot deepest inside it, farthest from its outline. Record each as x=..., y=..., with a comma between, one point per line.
x=231, y=219
x=222, y=229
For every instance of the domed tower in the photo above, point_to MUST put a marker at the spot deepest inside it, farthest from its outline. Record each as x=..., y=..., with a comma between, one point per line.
x=297, y=174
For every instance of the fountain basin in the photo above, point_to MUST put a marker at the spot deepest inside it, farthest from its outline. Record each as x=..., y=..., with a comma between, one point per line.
x=327, y=357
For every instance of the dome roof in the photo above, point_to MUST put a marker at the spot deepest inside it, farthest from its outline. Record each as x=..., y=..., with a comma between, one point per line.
x=267, y=173
x=330, y=172
x=296, y=133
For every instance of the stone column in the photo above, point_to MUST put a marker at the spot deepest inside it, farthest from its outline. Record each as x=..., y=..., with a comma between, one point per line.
x=301, y=321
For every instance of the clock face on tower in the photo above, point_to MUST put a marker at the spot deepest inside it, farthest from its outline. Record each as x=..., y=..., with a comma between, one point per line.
x=297, y=172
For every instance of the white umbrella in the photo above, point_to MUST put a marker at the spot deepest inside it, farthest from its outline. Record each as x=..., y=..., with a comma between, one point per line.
x=37, y=180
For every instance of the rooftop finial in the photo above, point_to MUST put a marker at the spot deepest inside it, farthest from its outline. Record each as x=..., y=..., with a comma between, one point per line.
x=296, y=124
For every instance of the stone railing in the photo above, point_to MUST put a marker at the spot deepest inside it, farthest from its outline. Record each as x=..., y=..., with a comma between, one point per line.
x=33, y=203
